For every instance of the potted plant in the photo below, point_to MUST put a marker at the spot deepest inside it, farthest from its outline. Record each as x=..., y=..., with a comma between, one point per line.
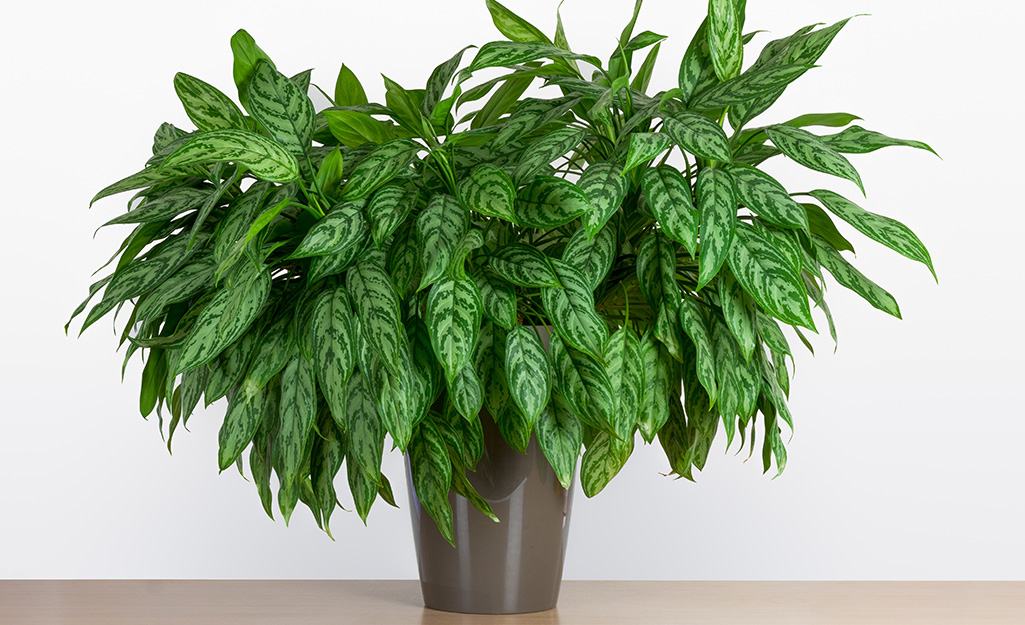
x=493, y=292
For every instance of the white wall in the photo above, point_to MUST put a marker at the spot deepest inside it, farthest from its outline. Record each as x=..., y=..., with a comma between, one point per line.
x=906, y=462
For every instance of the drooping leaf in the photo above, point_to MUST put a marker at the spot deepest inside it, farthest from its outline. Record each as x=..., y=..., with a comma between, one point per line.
x=571, y=311
x=490, y=191
x=623, y=359
x=853, y=279
x=602, y=461
x=669, y=197
x=334, y=348
x=812, y=152
x=549, y=202
x=489, y=362
x=605, y=188
x=766, y=273
x=653, y=409
x=264, y=158
x=584, y=385
x=695, y=325
x=363, y=426
x=240, y=422
x=298, y=411
x=765, y=196
x=431, y=472
x=439, y=229
x=656, y=271
x=524, y=266
x=717, y=205
x=453, y=315
x=497, y=296
x=528, y=372
x=560, y=436
x=738, y=310
x=591, y=256
x=387, y=209
x=377, y=307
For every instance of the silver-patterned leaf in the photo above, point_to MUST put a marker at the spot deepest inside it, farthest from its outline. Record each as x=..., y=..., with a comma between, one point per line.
x=497, y=296
x=669, y=196
x=812, y=152
x=527, y=371
x=857, y=140
x=440, y=227
x=189, y=281
x=283, y=109
x=769, y=277
x=698, y=135
x=717, y=204
x=207, y=106
x=465, y=392
x=244, y=413
x=623, y=362
x=695, y=325
x=549, y=202
x=453, y=315
x=546, y=150
x=653, y=409
x=754, y=83
x=645, y=146
x=489, y=191
x=738, y=309
x=591, y=256
x=765, y=196
x=560, y=435
x=725, y=39
x=145, y=178
x=850, y=277
x=382, y=164
x=489, y=362
x=334, y=348
x=363, y=426
x=571, y=311
x=524, y=266
x=297, y=412
x=656, y=271
x=584, y=384
x=165, y=206
x=264, y=158
x=387, y=209
x=377, y=307
x=343, y=228
x=431, y=472
x=602, y=461
x=605, y=188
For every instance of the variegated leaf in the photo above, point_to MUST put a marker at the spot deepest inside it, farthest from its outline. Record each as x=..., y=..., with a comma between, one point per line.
x=264, y=158
x=189, y=281
x=605, y=188
x=165, y=206
x=363, y=427
x=515, y=428
x=560, y=435
x=812, y=152
x=489, y=191
x=571, y=311
x=591, y=256
x=857, y=140
x=472, y=240
x=740, y=381
x=754, y=83
x=387, y=209
x=334, y=348
x=698, y=135
x=206, y=106
x=239, y=426
x=403, y=261
x=602, y=461
x=431, y=472
x=623, y=361
x=465, y=392
x=847, y=275
x=531, y=114
x=765, y=196
x=527, y=371
x=363, y=488
x=281, y=107
x=584, y=384
x=497, y=296
x=695, y=325
x=656, y=271
x=465, y=436
x=231, y=365
x=377, y=307
x=506, y=53
x=696, y=70
x=667, y=331
x=382, y=164
x=489, y=362
x=653, y=408
x=326, y=461
x=524, y=266
x=768, y=276
x=549, y=202
x=885, y=230
x=224, y=320
x=546, y=150
x=439, y=229
x=275, y=349
x=645, y=146
x=738, y=310
x=725, y=39
x=453, y=317
x=717, y=204
x=669, y=197
x=771, y=334
x=145, y=178
x=297, y=412
x=343, y=228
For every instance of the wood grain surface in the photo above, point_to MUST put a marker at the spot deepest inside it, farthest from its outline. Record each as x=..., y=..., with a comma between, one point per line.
x=312, y=602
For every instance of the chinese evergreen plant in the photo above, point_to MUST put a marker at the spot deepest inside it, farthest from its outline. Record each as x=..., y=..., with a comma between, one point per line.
x=374, y=270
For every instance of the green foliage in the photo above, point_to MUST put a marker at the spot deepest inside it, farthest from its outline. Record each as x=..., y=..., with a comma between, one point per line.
x=377, y=270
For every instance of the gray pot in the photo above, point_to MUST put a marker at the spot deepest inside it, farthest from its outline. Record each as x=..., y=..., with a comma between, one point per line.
x=509, y=567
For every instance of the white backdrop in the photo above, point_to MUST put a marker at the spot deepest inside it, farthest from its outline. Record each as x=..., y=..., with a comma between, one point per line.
x=907, y=459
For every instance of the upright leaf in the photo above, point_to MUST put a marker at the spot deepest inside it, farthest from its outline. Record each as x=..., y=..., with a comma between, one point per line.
x=698, y=135
x=489, y=191
x=281, y=107
x=549, y=202
x=206, y=106
x=669, y=197
x=343, y=228
x=725, y=39
x=382, y=164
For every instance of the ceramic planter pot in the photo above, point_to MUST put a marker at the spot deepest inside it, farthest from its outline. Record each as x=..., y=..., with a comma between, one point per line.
x=509, y=567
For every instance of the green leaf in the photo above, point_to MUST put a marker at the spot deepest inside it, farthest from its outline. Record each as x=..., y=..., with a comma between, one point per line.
x=464, y=435
x=528, y=372
x=513, y=26
x=431, y=472
x=696, y=70
x=298, y=412
x=489, y=362
x=462, y=487
x=740, y=381
x=327, y=457
x=206, y=106
x=602, y=461
x=717, y=204
x=334, y=348
x=642, y=78
x=853, y=279
x=656, y=271
x=605, y=188
x=438, y=82
x=653, y=409
x=560, y=436
x=264, y=158
x=145, y=178
x=465, y=392
x=348, y=90
x=524, y=266
x=591, y=256
x=695, y=325
x=754, y=83
x=382, y=164
x=834, y=120
x=515, y=428
x=622, y=355
x=571, y=311
x=453, y=316
x=240, y=422
x=281, y=107
x=546, y=150
x=645, y=146
x=530, y=115
x=186, y=283
x=497, y=296
x=812, y=152
x=669, y=197
x=584, y=385
x=885, y=230
x=725, y=39
x=508, y=53
x=165, y=206
x=247, y=55
x=377, y=307
x=765, y=196
x=404, y=258
x=330, y=173
x=667, y=331
x=766, y=273
x=342, y=228
x=387, y=209
x=549, y=202
x=857, y=140
x=440, y=227
x=364, y=490
x=821, y=225
x=738, y=310
x=489, y=191
x=363, y=427
x=698, y=135
x=355, y=128
x=225, y=318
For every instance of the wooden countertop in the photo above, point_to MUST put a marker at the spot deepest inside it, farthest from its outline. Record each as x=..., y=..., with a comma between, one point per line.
x=265, y=602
